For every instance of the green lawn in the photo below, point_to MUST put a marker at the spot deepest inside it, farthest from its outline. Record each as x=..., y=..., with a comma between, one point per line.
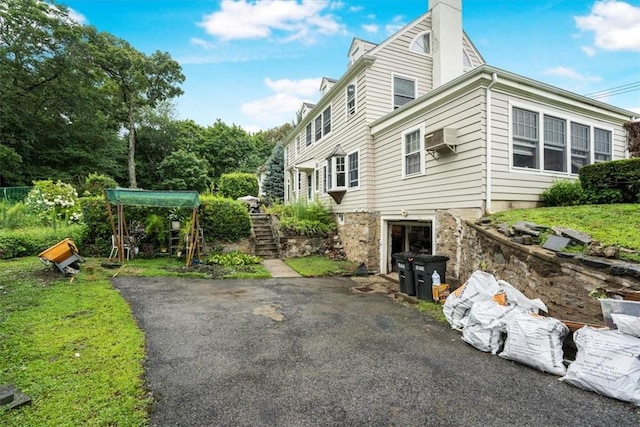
x=617, y=225
x=317, y=265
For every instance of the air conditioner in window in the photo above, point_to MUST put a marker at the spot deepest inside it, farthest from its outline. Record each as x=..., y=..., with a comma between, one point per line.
x=441, y=142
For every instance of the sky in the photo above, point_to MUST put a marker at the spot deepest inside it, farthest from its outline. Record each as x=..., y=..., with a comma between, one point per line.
x=252, y=63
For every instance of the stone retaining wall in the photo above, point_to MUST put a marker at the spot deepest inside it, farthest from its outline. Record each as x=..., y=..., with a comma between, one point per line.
x=561, y=284
x=360, y=235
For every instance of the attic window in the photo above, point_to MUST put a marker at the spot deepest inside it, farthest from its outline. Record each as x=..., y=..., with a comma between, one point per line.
x=421, y=43
x=466, y=61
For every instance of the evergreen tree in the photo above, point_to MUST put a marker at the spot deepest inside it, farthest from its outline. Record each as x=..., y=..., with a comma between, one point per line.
x=274, y=180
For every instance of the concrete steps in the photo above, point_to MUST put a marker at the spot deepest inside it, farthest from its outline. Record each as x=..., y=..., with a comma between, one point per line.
x=266, y=245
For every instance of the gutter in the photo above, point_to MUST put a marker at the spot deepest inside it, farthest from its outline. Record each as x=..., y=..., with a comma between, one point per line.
x=487, y=206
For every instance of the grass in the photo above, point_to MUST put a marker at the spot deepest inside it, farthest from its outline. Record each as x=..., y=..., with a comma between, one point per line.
x=73, y=346
x=433, y=309
x=611, y=225
x=317, y=265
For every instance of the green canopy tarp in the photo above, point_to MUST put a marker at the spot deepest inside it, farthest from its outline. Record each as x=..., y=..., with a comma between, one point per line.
x=155, y=198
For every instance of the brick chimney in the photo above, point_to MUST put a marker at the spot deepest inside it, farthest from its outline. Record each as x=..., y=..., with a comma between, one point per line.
x=446, y=25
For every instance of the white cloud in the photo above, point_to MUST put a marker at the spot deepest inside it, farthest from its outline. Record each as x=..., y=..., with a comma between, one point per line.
x=370, y=28
x=356, y=8
x=282, y=106
x=589, y=51
x=572, y=74
x=202, y=43
x=395, y=25
x=290, y=20
x=615, y=24
x=78, y=17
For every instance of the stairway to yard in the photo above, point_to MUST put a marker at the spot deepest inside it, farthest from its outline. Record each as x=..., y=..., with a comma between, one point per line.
x=266, y=245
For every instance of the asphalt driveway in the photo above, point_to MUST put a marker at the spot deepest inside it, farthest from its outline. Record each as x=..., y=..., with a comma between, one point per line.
x=311, y=352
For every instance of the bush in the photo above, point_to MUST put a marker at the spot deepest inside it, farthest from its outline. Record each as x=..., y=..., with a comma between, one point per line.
x=95, y=184
x=96, y=220
x=32, y=241
x=54, y=203
x=234, y=258
x=234, y=185
x=563, y=193
x=224, y=219
x=304, y=219
x=17, y=215
x=621, y=175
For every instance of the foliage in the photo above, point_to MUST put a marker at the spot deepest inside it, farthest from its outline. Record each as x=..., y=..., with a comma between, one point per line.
x=633, y=137
x=182, y=170
x=234, y=185
x=17, y=215
x=98, y=228
x=96, y=183
x=273, y=185
x=74, y=347
x=612, y=225
x=234, y=258
x=224, y=219
x=433, y=309
x=563, y=193
x=54, y=203
x=156, y=229
x=621, y=175
x=318, y=265
x=305, y=219
x=33, y=240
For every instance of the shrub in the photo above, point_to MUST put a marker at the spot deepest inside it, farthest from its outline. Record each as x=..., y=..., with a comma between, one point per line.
x=234, y=185
x=95, y=184
x=563, y=193
x=31, y=241
x=224, y=219
x=54, y=203
x=621, y=175
x=234, y=258
x=17, y=215
x=304, y=219
x=96, y=220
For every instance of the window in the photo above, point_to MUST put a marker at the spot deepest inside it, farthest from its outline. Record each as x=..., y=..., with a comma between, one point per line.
x=421, y=44
x=602, y=143
x=354, y=172
x=525, y=138
x=579, y=146
x=404, y=90
x=309, y=187
x=351, y=100
x=299, y=181
x=566, y=145
x=318, y=125
x=317, y=188
x=329, y=174
x=324, y=179
x=298, y=144
x=555, y=142
x=412, y=150
x=340, y=172
x=308, y=134
x=326, y=118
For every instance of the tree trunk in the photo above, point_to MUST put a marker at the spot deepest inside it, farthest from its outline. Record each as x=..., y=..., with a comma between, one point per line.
x=132, y=149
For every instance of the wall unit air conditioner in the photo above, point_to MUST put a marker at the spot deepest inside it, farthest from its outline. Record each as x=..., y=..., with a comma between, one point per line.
x=441, y=142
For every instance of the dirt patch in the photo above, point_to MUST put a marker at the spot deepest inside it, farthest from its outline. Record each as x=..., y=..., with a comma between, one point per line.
x=268, y=311
x=375, y=284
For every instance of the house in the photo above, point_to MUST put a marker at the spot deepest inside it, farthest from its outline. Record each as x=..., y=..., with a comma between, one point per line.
x=419, y=126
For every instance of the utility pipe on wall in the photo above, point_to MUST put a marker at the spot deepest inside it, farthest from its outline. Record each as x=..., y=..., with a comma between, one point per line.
x=487, y=207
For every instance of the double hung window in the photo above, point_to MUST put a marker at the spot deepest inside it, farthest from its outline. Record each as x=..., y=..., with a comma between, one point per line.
x=404, y=90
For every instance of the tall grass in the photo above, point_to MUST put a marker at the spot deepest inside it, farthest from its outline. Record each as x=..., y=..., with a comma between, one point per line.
x=304, y=218
x=17, y=215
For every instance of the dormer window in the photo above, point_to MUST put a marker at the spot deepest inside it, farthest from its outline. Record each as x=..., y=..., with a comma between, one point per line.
x=421, y=43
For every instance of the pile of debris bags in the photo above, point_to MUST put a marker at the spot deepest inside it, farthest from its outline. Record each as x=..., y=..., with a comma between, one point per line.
x=495, y=317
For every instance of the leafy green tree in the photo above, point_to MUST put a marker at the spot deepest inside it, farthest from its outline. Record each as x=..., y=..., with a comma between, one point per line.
x=273, y=185
x=235, y=185
x=182, y=170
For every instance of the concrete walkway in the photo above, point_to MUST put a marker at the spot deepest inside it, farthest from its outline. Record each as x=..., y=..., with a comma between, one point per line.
x=278, y=268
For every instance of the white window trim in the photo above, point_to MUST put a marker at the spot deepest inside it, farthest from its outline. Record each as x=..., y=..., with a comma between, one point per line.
x=357, y=187
x=314, y=129
x=422, y=152
x=346, y=101
x=413, y=42
x=569, y=118
x=415, y=89
x=310, y=126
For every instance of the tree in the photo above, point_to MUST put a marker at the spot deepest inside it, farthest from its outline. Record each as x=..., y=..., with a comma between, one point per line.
x=273, y=184
x=182, y=170
x=134, y=80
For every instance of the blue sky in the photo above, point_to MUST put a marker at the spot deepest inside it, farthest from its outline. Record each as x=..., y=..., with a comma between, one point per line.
x=252, y=63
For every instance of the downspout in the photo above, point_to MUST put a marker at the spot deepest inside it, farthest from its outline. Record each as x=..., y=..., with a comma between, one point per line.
x=487, y=206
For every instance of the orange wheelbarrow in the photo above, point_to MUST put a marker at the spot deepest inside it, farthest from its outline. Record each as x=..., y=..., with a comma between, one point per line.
x=64, y=255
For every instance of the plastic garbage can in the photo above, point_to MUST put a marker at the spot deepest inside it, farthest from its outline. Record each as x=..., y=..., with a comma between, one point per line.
x=423, y=267
x=404, y=261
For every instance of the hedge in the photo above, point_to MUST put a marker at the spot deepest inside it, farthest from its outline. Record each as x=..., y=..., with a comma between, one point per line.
x=621, y=176
x=234, y=185
x=33, y=240
x=224, y=219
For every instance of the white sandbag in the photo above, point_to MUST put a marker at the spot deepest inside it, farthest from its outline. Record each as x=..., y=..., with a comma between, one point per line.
x=535, y=341
x=485, y=326
x=516, y=297
x=481, y=286
x=607, y=362
x=627, y=324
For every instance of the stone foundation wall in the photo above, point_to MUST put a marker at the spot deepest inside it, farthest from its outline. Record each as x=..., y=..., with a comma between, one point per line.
x=562, y=285
x=301, y=246
x=360, y=235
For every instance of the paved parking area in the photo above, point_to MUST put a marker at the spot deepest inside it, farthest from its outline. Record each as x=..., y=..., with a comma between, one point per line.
x=311, y=352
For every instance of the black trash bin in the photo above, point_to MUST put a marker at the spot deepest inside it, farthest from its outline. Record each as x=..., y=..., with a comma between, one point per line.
x=404, y=262
x=423, y=268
